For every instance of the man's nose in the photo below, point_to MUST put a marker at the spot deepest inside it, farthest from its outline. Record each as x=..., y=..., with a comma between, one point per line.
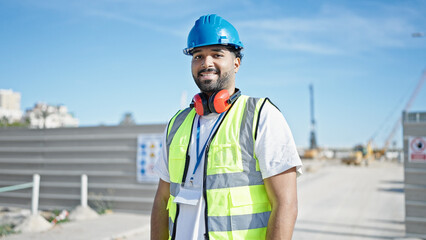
x=207, y=62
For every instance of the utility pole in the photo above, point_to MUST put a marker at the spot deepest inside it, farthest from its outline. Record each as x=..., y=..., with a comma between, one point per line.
x=313, y=140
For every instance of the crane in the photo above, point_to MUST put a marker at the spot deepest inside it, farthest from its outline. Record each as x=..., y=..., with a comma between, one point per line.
x=312, y=152
x=313, y=140
x=406, y=108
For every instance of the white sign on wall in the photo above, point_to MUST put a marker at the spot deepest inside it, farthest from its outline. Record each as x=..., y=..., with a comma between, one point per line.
x=149, y=148
x=417, y=149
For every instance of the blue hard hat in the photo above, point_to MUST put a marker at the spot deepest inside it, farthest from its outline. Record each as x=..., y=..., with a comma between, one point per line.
x=212, y=30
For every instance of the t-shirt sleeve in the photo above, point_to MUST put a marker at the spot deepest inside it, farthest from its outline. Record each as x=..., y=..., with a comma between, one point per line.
x=275, y=148
x=161, y=165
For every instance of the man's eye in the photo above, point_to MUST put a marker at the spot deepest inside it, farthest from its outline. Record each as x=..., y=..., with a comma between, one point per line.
x=218, y=55
x=196, y=57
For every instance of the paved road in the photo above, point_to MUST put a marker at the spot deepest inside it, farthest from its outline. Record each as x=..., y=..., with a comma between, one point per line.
x=339, y=202
x=115, y=226
x=347, y=203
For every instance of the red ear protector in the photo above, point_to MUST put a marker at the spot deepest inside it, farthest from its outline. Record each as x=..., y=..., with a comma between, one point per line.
x=218, y=102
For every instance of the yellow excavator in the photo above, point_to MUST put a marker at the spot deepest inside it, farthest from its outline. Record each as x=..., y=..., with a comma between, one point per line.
x=360, y=155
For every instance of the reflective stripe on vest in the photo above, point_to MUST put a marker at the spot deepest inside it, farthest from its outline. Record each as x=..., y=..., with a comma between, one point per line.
x=177, y=154
x=236, y=201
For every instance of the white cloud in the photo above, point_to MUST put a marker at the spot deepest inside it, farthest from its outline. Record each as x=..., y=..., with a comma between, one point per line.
x=149, y=24
x=334, y=31
x=329, y=31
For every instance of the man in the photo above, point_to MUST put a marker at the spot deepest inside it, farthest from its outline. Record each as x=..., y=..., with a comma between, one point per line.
x=229, y=163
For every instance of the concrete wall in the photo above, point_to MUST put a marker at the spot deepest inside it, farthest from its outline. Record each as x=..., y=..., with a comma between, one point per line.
x=106, y=154
x=414, y=124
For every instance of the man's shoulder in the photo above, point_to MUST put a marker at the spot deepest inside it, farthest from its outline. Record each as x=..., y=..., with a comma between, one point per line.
x=179, y=117
x=264, y=101
x=268, y=101
x=181, y=112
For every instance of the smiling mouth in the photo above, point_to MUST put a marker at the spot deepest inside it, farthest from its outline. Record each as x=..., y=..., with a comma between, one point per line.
x=208, y=75
x=208, y=72
x=207, y=78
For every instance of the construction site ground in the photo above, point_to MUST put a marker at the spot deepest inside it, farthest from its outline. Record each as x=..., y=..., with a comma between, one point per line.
x=336, y=202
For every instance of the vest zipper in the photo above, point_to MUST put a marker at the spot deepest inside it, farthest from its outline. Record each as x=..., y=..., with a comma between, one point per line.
x=185, y=172
x=206, y=235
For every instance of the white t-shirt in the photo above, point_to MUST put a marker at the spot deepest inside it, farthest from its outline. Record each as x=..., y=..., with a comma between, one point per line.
x=274, y=148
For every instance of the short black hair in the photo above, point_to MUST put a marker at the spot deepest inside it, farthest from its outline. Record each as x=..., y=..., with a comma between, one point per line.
x=236, y=51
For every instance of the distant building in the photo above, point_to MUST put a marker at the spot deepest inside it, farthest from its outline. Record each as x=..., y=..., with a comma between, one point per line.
x=47, y=116
x=128, y=120
x=10, y=105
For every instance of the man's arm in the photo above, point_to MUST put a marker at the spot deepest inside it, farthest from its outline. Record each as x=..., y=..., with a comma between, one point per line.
x=159, y=214
x=282, y=193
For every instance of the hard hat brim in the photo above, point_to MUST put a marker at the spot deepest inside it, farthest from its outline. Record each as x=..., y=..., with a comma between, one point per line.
x=188, y=51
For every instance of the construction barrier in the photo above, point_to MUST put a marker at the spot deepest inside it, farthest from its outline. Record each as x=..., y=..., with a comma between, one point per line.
x=107, y=155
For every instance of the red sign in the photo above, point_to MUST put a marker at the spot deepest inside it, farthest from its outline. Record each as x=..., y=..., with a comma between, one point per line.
x=417, y=149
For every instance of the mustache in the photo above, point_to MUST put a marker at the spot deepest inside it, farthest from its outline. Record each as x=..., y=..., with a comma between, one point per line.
x=214, y=70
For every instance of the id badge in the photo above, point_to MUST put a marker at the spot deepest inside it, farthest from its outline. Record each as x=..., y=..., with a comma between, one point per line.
x=188, y=195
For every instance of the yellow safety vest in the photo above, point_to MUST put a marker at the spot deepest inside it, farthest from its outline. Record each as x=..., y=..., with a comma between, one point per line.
x=237, y=206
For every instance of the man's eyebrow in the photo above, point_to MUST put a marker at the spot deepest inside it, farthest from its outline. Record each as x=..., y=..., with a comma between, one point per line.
x=195, y=51
x=213, y=49
x=218, y=50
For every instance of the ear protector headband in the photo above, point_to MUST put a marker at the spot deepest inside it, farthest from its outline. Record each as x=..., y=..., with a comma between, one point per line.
x=218, y=102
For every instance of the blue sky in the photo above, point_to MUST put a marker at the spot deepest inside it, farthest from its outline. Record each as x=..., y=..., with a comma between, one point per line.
x=105, y=58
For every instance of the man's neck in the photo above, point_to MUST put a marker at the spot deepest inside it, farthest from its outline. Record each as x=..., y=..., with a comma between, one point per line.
x=230, y=91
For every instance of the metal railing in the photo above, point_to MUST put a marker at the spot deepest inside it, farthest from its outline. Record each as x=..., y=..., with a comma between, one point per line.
x=35, y=184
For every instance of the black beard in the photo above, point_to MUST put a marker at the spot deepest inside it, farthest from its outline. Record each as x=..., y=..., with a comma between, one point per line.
x=208, y=86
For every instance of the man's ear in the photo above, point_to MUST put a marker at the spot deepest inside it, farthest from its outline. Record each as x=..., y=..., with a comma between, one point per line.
x=237, y=63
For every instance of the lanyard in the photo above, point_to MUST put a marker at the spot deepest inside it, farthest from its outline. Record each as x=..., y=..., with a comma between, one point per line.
x=200, y=154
